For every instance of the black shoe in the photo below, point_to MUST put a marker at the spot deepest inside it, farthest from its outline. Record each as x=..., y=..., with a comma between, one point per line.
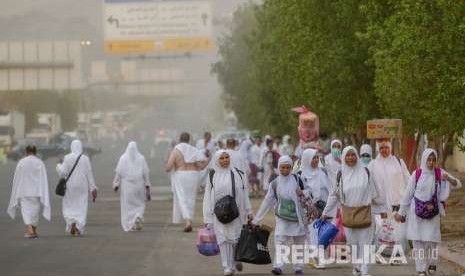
x=239, y=266
x=277, y=271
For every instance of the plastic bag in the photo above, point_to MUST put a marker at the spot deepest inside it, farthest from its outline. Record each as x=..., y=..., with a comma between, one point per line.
x=252, y=247
x=206, y=242
x=326, y=232
x=391, y=233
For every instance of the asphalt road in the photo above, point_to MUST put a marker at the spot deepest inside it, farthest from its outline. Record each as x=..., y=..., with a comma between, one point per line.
x=161, y=249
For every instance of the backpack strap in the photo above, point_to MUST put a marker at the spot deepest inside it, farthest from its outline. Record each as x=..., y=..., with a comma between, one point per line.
x=211, y=173
x=325, y=171
x=274, y=185
x=417, y=175
x=368, y=172
x=233, y=185
x=299, y=181
x=240, y=173
x=437, y=174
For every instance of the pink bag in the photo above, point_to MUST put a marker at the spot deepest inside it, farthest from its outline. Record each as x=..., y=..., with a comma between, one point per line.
x=206, y=242
x=341, y=236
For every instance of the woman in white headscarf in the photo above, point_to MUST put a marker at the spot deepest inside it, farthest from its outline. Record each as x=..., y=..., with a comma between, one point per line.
x=30, y=192
x=366, y=154
x=356, y=188
x=317, y=186
x=284, y=190
x=132, y=176
x=227, y=235
x=426, y=232
x=391, y=174
x=81, y=182
x=333, y=161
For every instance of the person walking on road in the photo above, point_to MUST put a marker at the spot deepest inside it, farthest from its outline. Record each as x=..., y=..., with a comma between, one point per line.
x=78, y=186
x=391, y=174
x=356, y=189
x=184, y=163
x=290, y=230
x=218, y=185
x=422, y=206
x=366, y=154
x=30, y=192
x=132, y=177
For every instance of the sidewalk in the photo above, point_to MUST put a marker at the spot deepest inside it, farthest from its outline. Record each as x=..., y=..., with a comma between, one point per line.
x=174, y=253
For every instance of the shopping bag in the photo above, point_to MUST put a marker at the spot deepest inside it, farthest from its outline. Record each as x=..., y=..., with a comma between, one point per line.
x=326, y=232
x=392, y=233
x=206, y=242
x=252, y=247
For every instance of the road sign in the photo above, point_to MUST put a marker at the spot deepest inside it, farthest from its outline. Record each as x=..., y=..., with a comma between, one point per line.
x=133, y=26
x=384, y=129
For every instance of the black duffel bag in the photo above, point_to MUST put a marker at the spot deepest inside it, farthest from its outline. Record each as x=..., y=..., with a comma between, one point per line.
x=60, y=189
x=252, y=247
x=226, y=207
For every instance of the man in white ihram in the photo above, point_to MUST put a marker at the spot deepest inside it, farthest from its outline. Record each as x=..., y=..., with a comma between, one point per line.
x=30, y=192
x=184, y=164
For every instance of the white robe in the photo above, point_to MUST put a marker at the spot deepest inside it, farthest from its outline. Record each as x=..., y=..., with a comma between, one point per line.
x=30, y=191
x=392, y=175
x=316, y=180
x=81, y=182
x=418, y=229
x=357, y=190
x=132, y=176
x=332, y=166
x=184, y=184
x=221, y=187
x=286, y=188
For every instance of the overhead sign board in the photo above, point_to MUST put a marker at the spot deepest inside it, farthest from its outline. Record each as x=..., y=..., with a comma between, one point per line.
x=157, y=26
x=384, y=129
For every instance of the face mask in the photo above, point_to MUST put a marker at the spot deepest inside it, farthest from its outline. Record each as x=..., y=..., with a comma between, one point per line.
x=366, y=160
x=336, y=152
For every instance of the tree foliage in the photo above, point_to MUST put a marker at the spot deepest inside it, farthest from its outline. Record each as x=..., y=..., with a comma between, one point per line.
x=348, y=61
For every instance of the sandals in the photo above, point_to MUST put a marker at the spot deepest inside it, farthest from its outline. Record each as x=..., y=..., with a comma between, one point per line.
x=431, y=269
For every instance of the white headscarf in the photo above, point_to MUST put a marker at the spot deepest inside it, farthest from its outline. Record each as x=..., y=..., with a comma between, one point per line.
x=315, y=178
x=356, y=185
x=424, y=159
x=132, y=164
x=390, y=174
x=216, y=161
x=336, y=141
x=76, y=147
x=366, y=149
x=305, y=166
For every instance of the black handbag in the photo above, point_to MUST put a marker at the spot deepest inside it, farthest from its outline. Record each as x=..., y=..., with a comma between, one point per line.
x=226, y=207
x=61, y=187
x=252, y=246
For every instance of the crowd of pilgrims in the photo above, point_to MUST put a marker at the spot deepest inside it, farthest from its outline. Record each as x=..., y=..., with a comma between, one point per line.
x=327, y=173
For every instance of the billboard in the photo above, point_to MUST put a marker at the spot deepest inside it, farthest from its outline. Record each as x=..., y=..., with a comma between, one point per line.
x=138, y=26
x=384, y=129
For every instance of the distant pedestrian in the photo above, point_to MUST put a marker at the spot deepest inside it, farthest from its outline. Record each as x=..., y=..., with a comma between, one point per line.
x=333, y=161
x=78, y=186
x=30, y=192
x=132, y=179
